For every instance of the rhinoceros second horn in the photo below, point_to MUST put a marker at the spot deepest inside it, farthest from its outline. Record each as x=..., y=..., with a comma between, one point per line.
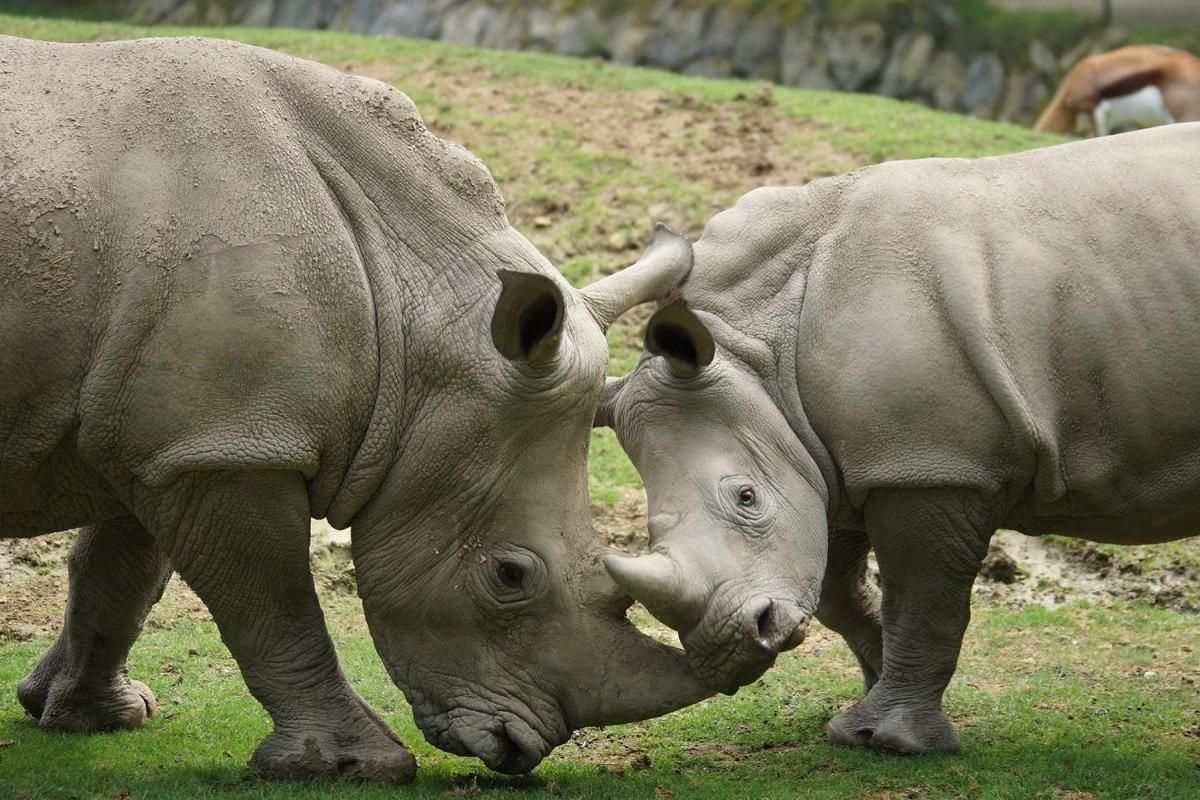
x=664, y=266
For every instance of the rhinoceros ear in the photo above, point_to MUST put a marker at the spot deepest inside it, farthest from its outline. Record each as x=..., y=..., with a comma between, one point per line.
x=678, y=335
x=529, y=316
x=665, y=265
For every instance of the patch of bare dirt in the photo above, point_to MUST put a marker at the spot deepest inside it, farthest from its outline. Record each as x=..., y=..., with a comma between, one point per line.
x=31, y=607
x=33, y=583
x=723, y=148
x=730, y=146
x=1019, y=570
x=332, y=564
x=623, y=525
x=1024, y=570
x=607, y=750
x=40, y=555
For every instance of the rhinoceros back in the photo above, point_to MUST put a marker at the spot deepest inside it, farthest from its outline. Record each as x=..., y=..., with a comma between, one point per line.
x=1026, y=323
x=181, y=284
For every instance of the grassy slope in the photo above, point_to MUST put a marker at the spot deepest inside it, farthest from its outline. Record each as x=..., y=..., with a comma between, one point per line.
x=1075, y=704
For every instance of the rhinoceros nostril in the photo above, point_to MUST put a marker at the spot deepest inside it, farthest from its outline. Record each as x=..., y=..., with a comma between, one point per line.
x=766, y=622
x=777, y=629
x=768, y=625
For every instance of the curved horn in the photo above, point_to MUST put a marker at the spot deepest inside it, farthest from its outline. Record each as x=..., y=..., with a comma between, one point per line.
x=665, y=265
x=654, y=581
x=608, y=403
x=641, y=679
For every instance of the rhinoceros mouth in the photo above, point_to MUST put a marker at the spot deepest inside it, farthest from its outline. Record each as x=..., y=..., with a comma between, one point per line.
x=513, y=749
x=728, y=649
x=501, y=739
x=508, y=745
x=727, y=669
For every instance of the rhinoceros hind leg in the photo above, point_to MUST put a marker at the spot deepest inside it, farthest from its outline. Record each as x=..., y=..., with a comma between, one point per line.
x=930, y=544
x=850, y=602
x=241, y=541
x=116, y=574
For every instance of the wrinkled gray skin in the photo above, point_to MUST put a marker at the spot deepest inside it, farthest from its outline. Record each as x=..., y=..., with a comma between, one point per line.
x=238, y=291
x=916, y=354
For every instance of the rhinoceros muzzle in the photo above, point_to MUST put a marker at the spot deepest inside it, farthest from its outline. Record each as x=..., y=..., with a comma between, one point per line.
x=779, y=627
x=733, y=645
x=732, y=632
x=503, y=742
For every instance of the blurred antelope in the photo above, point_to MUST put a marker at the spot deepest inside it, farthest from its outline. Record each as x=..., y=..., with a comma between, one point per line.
x=1139, y=85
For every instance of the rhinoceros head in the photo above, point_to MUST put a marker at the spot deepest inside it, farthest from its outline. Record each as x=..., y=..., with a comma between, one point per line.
x=480, y=575
x=737, y=522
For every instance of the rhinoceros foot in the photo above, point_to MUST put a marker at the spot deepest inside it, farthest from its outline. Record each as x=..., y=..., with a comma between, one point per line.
x=892, y=726
x=364, y=749
x=62, y=701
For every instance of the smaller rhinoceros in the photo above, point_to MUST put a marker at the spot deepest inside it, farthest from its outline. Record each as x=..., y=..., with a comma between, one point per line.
x=239, y=290
x=915, y=355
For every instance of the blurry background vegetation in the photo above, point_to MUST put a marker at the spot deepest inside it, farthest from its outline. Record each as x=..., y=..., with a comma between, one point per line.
x=999, y=59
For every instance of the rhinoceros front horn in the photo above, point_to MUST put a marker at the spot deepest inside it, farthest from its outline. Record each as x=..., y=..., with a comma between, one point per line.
x=665, y=265
x=653, y=580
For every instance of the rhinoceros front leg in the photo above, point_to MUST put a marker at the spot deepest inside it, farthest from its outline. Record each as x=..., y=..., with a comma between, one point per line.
x=241, y=542
x=850, y=602
x=116, y=573
x=929, y=545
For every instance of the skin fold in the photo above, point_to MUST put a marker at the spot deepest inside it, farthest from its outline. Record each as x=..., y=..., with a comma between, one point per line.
x=908, y=358
x=239, y=291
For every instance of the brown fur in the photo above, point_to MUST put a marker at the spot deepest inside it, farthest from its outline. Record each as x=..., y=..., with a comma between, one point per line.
x=1121, y=72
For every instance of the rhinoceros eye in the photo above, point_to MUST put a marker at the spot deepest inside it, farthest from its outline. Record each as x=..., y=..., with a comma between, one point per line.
x=510, y=574
x=509, y=577
x=747, y=503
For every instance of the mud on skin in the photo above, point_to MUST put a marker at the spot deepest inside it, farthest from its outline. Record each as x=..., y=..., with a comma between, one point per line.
x=244, y=290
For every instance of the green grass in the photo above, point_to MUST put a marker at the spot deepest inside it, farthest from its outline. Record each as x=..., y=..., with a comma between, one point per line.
x=1049, y=704
x=1040, y=717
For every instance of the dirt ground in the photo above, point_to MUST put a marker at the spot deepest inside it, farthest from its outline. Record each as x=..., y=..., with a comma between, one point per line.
x=729, y=145
x=727, y=148
x=1019, y=570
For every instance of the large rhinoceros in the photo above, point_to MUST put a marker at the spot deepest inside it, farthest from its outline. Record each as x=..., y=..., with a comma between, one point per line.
x=915, y=354
x=239, y=290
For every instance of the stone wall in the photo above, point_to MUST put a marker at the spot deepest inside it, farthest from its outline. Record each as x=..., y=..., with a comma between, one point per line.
x=920, y=50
